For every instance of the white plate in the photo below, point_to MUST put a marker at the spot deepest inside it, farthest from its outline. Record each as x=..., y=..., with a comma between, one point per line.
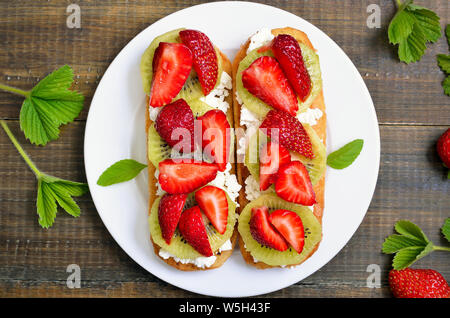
x=115, y=130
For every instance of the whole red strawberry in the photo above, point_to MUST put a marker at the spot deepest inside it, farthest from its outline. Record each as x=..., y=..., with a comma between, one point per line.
x=175, y=123
x=443, y=148
x=292, y=135
x=418, y=283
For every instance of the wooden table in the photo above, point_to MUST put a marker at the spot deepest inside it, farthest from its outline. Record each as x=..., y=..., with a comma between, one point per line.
x=411, y=107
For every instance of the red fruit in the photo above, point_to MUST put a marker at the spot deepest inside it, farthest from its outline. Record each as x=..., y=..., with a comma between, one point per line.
x=205, y=58
x=216, y=137
x=288, y=53
x=292, y=135
x=443, y=148
x=172, y=64
x=193, y=229
x=272, y=156
x=213, y=202
x=294, y=185
x=169, y=212
x=290, y=226
x=177, y=119
x=185, y=176
x=265, y=79
x=418, y=283
x=263, y=232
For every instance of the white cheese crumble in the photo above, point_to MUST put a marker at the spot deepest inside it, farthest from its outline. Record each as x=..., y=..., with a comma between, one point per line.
x=249, y=118
x=242, y=146
x=154, y=112
x=260, y=38
x=310, y=117
x=228, y=182
x=216, y=98
x=159, y=190
x=238, y=98
x=252, y=191
x=200, y=262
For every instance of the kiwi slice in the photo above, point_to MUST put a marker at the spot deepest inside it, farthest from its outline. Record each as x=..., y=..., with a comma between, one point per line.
x=178, y=246
x=256, y=105
x=146, y=66
x=316, y=167
x=313, y=232
x=198, y=107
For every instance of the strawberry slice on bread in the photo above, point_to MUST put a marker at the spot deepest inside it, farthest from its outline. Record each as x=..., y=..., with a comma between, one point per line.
x=193, y=229
x=185, y=175
x=294, y=185
x=289, y=131
x=169, y=212
x=263, y=232
x=204, y=58
x=213, y=202
x=265, y=79
x=271, y=157
x=216, y=137
x=290, y=226
x=172, y=64
x=287, y=51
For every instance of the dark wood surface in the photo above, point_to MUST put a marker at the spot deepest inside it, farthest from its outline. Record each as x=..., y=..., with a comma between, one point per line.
x=409, y=100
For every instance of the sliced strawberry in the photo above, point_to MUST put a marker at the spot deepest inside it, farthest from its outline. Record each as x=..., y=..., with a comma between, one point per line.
x=169, y=212
x=265, y=79
x=205, y=58
x=290, y=226
x=175, y=124
x=172, y=64
x=216, y=137
x=213, y=202
x=294, y=185
x=263, y=232
x=291, y=133
x=193, y=229
x=288, y=53
x=272, y=156
x=185, y=176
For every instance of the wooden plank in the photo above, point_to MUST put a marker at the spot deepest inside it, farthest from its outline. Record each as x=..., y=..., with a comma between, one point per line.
x=33, y=261
x=36, y=41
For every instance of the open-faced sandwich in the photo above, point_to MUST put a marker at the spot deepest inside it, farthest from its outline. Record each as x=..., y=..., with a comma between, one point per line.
x=193, y=189
x=278, y=102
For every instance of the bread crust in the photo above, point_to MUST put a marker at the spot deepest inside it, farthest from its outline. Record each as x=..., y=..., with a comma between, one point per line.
x=320, y=128
x=152, y=188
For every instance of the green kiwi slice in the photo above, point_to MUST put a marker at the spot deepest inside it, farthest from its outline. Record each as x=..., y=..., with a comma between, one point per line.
x=178, y=246
x=272, y=257
x=192, y=88
x=198, y=107
x=256, y=105
x=316, y=167
x=157, y=148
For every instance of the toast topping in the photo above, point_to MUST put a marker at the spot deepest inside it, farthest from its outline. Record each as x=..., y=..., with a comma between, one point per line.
x=169, y=213
x=193, y=229
x=272, y=157
x=263, y=232
x=290, y=226
x=213, y=202
x=294, y=185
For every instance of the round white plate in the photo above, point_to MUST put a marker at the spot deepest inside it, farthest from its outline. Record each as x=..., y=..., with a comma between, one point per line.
x=115, y=130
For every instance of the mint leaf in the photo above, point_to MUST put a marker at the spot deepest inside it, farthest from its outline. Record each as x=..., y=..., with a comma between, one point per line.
x=345, y=156
x=407, y=256
x=49, y=105
x=411, y=28
x=444, y=62
x=446, y=229
x=54, y=191
x=411, y=231
x=396, y=242
x=120, y=171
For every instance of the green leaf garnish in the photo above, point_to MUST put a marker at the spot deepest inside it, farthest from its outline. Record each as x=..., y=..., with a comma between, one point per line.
x=121, y=171
x=52, y=191
x=411, y=28
x=345, y=156
x=444, y=62
x=447, y=33
x=48, y=105
x=410, y=245
x=446, y=229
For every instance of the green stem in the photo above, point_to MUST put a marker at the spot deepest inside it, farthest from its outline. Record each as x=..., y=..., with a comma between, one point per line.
x=20, y=149
x=441, y=248
x=15, y=90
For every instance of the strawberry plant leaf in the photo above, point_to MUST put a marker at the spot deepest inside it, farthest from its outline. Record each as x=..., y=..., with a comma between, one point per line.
x=396, y=242
x=346, y=155
x=407, y=256
x=411, y=231
x=444, y=62
x=121, y=171
x=446, y=86
x=446, y=229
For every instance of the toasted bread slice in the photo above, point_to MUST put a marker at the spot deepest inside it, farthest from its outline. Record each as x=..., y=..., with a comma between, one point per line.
x=222, y=257
x=320, y=128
